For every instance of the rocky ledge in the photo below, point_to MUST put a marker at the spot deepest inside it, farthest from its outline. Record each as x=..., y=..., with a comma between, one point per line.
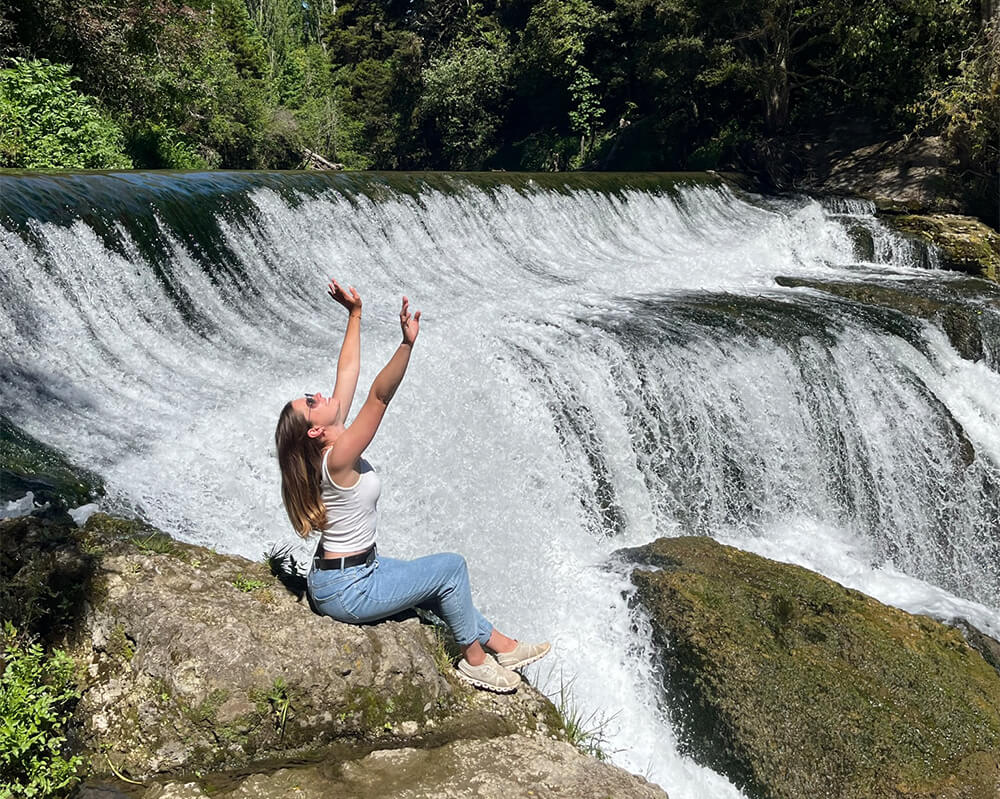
x=918, y=186
x=964, y=244
x=795, y=686
x=201, y=674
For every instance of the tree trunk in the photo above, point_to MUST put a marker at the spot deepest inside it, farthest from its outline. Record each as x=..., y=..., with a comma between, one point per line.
x=776, y=89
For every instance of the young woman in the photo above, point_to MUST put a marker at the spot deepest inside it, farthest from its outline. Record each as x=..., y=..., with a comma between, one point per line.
x=327, y=486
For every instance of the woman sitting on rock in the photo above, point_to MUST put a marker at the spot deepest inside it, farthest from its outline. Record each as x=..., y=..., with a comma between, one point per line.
x=327, y=486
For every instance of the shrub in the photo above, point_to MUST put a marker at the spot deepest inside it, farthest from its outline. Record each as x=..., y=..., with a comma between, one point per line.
x=46, y=124
x=37, y=692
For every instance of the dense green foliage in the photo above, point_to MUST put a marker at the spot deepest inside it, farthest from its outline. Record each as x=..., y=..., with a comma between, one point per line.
x=37, y=691
x=45, y=122
x=514, y=84
x=967, y=107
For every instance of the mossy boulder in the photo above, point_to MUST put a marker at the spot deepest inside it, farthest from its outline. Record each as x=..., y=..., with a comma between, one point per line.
x=964, y=243
x=26, y=464
x=192, y=663
x=795, y=686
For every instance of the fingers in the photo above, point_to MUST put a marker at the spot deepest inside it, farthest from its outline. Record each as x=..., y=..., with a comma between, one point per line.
x=348, y=297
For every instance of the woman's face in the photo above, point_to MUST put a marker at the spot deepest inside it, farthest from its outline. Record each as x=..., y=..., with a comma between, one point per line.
x=319, y=411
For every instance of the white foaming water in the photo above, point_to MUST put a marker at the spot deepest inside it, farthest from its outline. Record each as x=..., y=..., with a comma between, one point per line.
x=581, y=383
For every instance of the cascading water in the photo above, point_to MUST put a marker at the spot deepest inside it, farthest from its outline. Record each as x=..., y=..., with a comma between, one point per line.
x=602, y=360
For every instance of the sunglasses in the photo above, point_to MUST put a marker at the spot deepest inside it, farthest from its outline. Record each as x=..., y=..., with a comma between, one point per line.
x=310, y=404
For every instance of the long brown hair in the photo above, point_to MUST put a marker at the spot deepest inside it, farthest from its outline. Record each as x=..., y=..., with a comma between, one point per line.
x=299, y=457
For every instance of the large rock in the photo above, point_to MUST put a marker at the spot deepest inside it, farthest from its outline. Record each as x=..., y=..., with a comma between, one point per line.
x=197, y=661
x=191, y=662
x=913, y=175
x=795, y=686
x=498, y=768
x=965, y=244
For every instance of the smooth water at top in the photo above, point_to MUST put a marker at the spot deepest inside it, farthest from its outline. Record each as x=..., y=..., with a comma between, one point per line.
x=595, y=368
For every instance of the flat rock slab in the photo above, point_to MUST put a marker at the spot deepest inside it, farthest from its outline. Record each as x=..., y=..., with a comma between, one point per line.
x=794, y=686
x=510, y=767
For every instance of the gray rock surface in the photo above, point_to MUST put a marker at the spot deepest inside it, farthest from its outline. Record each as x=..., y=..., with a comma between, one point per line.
x=201, y=661
x=509, y=767
x=917, y=175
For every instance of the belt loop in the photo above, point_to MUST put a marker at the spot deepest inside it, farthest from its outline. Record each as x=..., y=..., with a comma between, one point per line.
x=342, y=563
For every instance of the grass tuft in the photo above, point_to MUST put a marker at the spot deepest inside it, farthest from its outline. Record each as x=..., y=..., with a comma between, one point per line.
x=158, y=543
x=288, y=571
x=248, y=584
x=588, y=732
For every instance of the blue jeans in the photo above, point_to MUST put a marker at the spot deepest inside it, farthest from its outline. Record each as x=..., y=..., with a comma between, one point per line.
x=439, y=583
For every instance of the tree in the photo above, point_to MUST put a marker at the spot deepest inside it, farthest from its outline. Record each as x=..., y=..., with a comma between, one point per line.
x=463, y=98
x=556, y=50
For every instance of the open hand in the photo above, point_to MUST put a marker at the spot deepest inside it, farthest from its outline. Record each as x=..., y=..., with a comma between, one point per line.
x=350, y=299
x=409, y=322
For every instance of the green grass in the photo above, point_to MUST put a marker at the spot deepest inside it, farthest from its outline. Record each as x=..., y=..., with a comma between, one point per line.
x=279, y=700
x=586, y=731
x=248, y=584
x=155, y=543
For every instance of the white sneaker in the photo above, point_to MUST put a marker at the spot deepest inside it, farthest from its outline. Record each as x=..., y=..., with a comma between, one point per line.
x=523, y=654
x=489, y=675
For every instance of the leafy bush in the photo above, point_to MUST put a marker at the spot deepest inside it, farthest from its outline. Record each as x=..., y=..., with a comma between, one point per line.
x=967, y=108
x=162, y=147
x=37, y=693
x=45, y=123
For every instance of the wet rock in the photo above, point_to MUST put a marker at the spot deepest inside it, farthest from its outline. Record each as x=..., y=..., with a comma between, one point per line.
x=510, y=767
x=985, y=645
x=964, y=243
x=27, y=464
x=956, y=305
x=795, y=686
x=45, y=570
x=201, y=661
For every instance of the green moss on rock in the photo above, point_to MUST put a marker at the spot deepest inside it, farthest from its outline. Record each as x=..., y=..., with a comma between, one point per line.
x=956, y=306
x=26, y=464
x=965, y=244
x=795, y=686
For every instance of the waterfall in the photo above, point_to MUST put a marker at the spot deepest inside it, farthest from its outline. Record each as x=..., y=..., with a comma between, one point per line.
x=602, y=360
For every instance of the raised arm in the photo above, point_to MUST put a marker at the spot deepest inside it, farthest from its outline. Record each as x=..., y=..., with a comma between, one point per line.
x=352, y=442
x=349, y=362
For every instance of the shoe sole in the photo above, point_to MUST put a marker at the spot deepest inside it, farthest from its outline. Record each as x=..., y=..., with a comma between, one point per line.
x=484, y=685
x=527, y=661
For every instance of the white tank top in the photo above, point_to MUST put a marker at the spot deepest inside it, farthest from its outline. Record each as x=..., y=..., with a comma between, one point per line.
x=351, y=513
